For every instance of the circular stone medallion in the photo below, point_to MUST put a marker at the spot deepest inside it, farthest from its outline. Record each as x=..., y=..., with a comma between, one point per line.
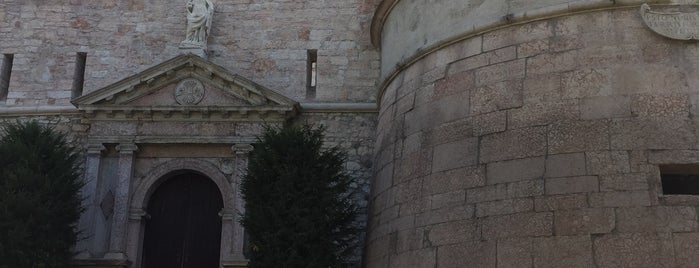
x=189, y=92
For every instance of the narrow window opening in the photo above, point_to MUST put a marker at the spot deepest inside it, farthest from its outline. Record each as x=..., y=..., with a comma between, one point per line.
x=680, y=179
x=79, y=75
x=5, y=74
x=311, y=73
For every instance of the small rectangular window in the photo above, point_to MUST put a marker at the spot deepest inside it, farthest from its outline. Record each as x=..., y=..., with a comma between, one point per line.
x=79, y=75
x=5, y=74
x=311, y=73
x=680, y=179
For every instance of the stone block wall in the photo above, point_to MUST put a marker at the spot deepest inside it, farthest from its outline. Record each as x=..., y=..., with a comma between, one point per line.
x=538, y=145
x=263, y=40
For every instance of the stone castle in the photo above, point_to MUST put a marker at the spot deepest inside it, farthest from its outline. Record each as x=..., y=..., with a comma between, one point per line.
x=499, y=133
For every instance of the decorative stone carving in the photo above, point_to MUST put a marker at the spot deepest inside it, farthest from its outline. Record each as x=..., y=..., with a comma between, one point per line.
x=189, y=92
x=675, y=25
x=199, y=16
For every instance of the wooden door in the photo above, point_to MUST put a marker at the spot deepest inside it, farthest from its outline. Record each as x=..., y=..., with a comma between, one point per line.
x=184, y=229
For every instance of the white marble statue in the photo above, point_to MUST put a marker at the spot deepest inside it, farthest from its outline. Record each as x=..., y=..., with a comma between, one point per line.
x=199, y=16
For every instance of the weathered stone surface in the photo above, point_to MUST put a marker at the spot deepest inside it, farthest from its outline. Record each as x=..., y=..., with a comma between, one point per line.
x=634, y=250
x=518, y=225
x=541, y=89
x=656, y=219
x=445, y=214
x=455, y=155
x=560, y=202
x=473, y=253
x=552, y=62
x=673, y=156
x=578, y=136
x=435, y=113
x=515, y=170
x=448, y=199
x=585, y=83
x=584, y=221
x=563, y=251
x=514, y=252
x=505, y=191
x=569, y=185
x=539, y=114
x=494, y=122
x=620, y=199
x=686, y=248
x=565, y=165
x=497, y=96
x=676, y=106
x=449, y=132
x=607, y=162
x=665, y=133
x=624, y=182
x=502, y=207
x=423, y=258
x=453, y=232
x=510, y=70
x=605, y=107
x=461, y=178
x=517, y=143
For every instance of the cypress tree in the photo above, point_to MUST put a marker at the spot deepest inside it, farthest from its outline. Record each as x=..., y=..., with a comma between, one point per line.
x=39, y=197
x=298, y=212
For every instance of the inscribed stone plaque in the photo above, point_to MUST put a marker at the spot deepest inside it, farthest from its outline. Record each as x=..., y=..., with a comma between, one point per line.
x=675, y=25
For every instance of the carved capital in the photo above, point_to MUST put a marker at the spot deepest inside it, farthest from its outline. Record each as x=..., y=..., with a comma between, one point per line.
x=95, y=148
x=241, y=148
x=127, y=148
x=137, y=214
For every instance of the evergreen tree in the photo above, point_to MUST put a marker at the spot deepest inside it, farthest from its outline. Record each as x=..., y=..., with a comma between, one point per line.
x=298, y=211
x=39, y=197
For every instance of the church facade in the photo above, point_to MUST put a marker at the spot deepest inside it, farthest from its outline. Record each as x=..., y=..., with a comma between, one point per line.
x=500, y=133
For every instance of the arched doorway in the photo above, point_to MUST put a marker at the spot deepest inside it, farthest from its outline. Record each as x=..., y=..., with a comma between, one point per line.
x=184, y=227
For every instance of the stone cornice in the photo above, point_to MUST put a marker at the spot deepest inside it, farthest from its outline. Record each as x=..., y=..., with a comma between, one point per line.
x=6, y=111
x=174, y=139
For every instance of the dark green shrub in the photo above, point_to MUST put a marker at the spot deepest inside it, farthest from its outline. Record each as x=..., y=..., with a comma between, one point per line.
x=298, y=211
x=39, y=197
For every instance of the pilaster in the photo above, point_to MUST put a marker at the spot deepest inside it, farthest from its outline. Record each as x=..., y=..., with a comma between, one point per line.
x=117, y=243
x=88, y=192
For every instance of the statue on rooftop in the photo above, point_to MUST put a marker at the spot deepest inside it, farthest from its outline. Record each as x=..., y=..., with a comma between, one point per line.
x=199, y=16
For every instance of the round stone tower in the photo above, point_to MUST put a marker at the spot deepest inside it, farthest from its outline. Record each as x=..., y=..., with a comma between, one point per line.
x=551, y=133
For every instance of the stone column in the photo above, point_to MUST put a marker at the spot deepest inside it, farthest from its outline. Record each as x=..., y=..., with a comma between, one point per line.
x=90, y=202
x=241, y=164
x=117, y=242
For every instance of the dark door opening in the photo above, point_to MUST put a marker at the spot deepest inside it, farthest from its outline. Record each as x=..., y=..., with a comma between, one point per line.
x=184, y=229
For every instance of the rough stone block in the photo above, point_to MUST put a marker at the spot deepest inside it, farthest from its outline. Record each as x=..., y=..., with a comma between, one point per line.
x=515, y=170
x=541, y=89
x=454, y=83
x=410, y=239
x=455, y=155
x=656, y=219
x=586, y=83
x=560, y=202
x=686, y=248
x=624, y=182
x=565, y=165
x=453, y=232
x=607, y=162
x=660, y=105
x=516, y=35
x=569, y=185
x=513, y=144
x=445, y=214
x=494, y=122
x=563, y=251
x=437, y=112
x=584, y=221
x=634, y=250
x=414, y=165
x=505, y=191
x=460, y=178
x=620, y=199
x=423, y=258
x=448, y=199
x=467, y=64
x=578, y=136
x=497, y=96
x=514, y=252
x=502, y=207
x=605, y=107
x=510, y=70
x=449, y=132
x=673, y=156
x=476, y=254
x=539, y=114
x=552, y=62
x=409, y=191
x=655, y=133
x=532, y=48
x=518, y=225
x=501, y=55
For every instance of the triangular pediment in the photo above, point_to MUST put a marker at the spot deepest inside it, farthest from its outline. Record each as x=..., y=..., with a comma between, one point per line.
x=184, y=86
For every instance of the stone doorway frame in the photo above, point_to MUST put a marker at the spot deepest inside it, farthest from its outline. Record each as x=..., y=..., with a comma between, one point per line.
x=231, y=230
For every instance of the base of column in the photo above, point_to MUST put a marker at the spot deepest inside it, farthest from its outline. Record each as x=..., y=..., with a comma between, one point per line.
x=101, y=263
x=234, y=264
